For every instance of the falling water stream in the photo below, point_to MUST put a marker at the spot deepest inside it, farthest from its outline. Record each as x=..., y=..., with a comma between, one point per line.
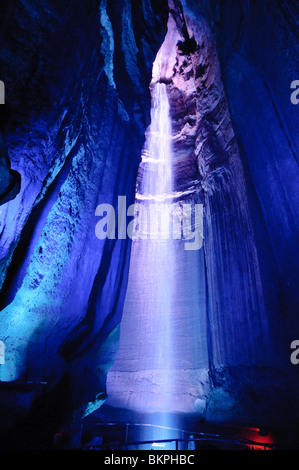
x=158, y=186
x=158, y=150
x=161, y=361
x=142, y=376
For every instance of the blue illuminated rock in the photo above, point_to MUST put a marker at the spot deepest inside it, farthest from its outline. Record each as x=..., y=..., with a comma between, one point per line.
x=78, y=103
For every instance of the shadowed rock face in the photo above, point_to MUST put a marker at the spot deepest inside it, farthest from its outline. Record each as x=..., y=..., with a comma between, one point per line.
x=10, y=181
x=77, y=107
x=257, y=52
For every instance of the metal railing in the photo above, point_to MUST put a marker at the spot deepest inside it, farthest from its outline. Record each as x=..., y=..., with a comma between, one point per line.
x=201, y=438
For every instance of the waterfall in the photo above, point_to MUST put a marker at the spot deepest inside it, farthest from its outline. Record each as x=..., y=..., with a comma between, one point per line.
x=157, y=153
x=161, y=363
x=147, y=317
x=162, y=357
x=158, y=186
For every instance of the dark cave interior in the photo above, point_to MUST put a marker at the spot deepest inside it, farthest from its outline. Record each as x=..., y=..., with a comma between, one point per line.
x=75, y=309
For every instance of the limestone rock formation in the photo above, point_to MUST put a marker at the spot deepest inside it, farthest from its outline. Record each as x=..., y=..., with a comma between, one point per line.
x=77, y=79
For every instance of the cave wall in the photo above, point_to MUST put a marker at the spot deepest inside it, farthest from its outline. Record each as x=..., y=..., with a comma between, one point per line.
x=258, y=54
x=72, y=129
x=257, y=49
x=77, y=105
